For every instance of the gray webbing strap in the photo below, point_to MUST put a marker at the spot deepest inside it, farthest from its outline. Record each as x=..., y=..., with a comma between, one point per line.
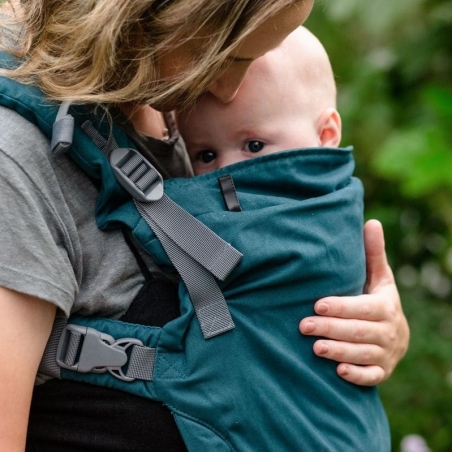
x=141, y=363
x=106, y=146
x=198, y=254
x=83, y=349
x=208, y=300
x=48, y=365
x=191, y=236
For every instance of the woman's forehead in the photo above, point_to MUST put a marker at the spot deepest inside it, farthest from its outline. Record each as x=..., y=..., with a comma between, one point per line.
x=273, y=31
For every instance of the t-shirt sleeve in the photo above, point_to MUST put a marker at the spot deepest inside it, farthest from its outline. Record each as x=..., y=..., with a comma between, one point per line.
x=35, y=244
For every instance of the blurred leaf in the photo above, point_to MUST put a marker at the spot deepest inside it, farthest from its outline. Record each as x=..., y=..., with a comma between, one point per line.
x=440, y=100
x=420, y=159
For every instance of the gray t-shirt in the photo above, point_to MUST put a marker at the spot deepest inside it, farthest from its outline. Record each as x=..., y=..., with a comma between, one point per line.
x=50, y=245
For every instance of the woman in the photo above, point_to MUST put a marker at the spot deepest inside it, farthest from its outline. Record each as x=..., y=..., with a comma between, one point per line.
x=130, y=56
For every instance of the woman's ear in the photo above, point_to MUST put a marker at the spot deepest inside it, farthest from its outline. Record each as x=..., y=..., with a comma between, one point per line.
x=329, y=128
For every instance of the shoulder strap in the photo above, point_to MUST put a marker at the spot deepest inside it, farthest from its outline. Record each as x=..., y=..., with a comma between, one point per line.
x=198, y=254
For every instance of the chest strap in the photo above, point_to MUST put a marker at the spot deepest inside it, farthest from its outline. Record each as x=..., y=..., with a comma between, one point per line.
x=84, y=349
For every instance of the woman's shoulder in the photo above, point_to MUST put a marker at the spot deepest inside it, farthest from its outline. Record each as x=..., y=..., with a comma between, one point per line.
x=53, y=201
x=31, y=215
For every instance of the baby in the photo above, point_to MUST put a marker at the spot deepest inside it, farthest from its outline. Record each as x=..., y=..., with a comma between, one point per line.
x=297, y=218
x=286, y=101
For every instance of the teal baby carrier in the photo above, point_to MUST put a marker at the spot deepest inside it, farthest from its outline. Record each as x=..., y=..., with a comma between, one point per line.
x=233, y=368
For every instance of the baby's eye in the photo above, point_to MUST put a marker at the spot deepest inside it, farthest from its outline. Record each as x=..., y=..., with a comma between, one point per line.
x=207, y=156
x=254, y=146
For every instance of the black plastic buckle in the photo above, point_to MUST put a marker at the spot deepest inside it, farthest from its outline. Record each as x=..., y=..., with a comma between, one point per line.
x=136, y=175
x=96, y=352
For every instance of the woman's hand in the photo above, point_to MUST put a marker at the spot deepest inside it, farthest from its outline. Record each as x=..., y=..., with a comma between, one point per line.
x=368, y=334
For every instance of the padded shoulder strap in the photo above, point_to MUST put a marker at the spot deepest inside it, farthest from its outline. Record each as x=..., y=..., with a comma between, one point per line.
x=28, y=101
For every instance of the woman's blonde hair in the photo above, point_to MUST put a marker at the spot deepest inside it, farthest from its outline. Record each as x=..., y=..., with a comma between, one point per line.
x=106, y=51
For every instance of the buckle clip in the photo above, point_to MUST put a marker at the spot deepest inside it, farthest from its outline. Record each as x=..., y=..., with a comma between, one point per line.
x=136, y=174
x=93, y=351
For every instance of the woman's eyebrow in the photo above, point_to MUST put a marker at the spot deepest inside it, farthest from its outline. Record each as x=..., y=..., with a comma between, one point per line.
x=237, y=59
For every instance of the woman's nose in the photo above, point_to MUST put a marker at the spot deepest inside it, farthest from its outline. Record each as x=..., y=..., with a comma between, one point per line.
x=225, y=87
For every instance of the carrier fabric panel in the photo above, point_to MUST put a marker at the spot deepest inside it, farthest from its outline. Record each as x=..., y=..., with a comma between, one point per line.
x=259, y=386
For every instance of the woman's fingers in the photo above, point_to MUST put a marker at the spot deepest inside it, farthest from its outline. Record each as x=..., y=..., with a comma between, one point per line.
x=347, y=330
x=359, y=354
x=362, y=307
x=361, y=375
x=369, y=361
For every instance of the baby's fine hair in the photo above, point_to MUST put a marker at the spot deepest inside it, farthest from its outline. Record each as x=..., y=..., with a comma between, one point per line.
x=104, y=51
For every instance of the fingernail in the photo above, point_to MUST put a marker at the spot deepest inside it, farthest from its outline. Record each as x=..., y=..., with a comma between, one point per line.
x=322, y=308
x=309, y=327
x=324, y=349
x=345, y=370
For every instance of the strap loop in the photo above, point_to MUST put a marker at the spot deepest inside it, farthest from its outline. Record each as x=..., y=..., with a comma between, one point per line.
x=63, y=130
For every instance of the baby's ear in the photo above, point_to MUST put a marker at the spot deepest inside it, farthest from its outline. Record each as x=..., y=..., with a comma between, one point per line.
x=329, y=128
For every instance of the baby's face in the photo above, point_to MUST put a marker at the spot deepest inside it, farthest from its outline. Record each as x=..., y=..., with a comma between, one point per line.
x=217, y=135
x=264, y=118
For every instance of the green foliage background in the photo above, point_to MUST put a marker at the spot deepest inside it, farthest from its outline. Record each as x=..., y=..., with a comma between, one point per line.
x=393, y=66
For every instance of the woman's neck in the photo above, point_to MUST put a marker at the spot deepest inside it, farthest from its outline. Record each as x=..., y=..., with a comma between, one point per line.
x=146, y=120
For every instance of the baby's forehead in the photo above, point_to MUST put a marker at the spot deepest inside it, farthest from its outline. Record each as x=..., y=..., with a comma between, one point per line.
x=299, y=49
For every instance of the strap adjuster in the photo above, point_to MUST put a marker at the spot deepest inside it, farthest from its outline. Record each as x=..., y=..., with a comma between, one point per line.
x=136, y=175
x=83, y=349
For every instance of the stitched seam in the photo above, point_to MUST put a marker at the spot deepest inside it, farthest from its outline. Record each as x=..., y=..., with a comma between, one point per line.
x=162, y=357
x=16, y=272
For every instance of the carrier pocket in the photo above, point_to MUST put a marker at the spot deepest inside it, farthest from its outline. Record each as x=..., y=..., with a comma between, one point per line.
x=198, y=436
